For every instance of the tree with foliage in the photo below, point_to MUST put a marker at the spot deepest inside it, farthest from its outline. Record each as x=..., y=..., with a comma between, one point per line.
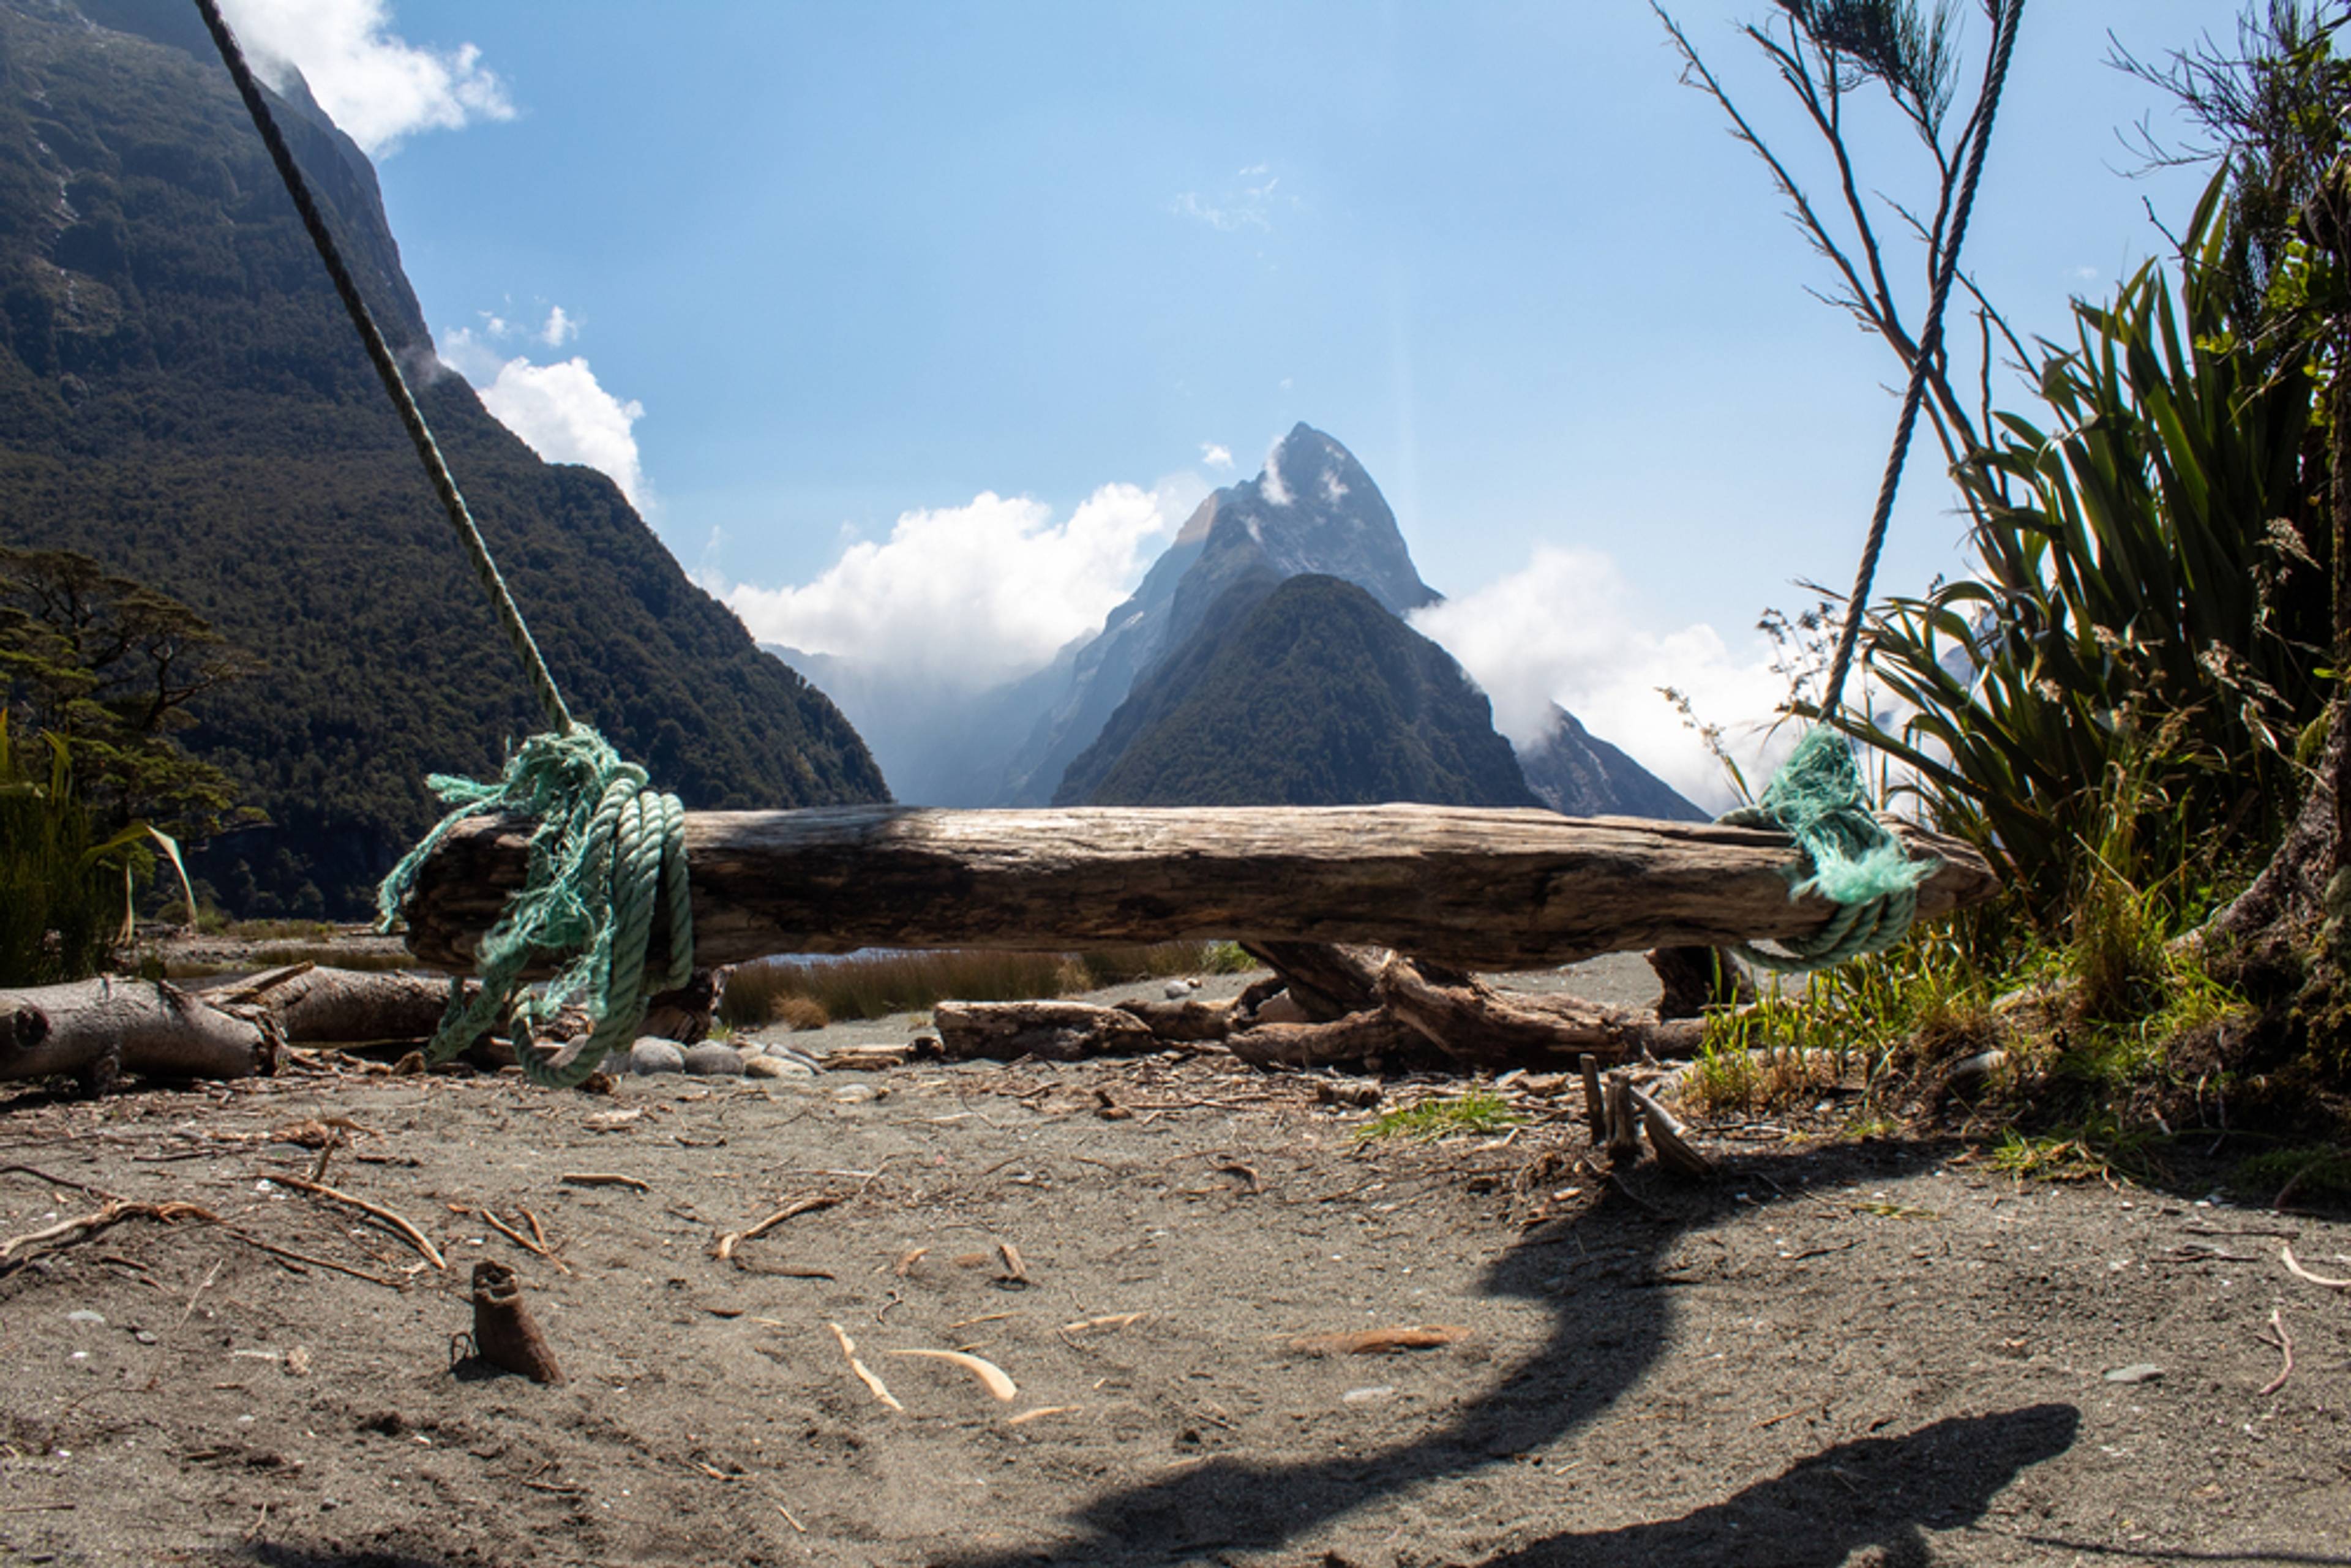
x=111, y=667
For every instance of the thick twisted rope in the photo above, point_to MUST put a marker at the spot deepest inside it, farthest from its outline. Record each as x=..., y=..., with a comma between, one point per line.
x=607, y=850
x=1817, y=797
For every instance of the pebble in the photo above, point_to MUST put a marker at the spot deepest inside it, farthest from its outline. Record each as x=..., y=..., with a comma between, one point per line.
x=856, y=1093
x=777, y=1067
x=653, y=1054
x=85, y=1315
x=713, y=1059
x=2137, y=1372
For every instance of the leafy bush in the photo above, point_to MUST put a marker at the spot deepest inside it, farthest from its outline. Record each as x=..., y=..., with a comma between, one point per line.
x=63, y=889
x=2149, y=605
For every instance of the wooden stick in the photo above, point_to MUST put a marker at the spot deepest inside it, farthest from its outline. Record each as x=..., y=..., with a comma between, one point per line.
x=725, y=1248
x=2293, y=1266
x=116, y=1210
x=1498, y=889
x=603, y=1178
x=2285, y=1346
x=406, y=1231
x=520, y=1239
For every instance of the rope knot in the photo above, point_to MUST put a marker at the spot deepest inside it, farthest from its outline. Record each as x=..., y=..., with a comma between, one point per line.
x=1817, y=799
x=607, y=854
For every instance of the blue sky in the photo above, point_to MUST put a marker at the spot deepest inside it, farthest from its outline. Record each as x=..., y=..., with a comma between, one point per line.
x=869, y=304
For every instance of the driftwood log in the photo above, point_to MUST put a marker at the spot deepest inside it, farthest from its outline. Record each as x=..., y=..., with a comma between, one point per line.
x=315, y=1005
x=1374, y=1035
x=1050, y=1031
x=96, y=1030
x=1478, y=1025
x=1494, y=889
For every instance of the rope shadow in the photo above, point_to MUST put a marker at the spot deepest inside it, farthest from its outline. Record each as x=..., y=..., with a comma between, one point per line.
x=1611, y=1321
x=1874, y=1491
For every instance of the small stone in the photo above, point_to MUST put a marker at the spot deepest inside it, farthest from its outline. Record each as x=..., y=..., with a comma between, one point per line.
x=712, y=1059
x=2137, y=1372
x=653, y=1054
x=857, y=1094
x=777, y=1067
x=85, y=1316
x=1368, y=1396
x=1177, y=990
x=142, y=1336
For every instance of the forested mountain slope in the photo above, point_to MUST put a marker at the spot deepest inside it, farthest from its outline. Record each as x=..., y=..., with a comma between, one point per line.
x=182, y=397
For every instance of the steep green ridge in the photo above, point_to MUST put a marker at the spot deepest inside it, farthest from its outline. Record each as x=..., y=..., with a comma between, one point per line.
x=181, y=397
x=1309, y=695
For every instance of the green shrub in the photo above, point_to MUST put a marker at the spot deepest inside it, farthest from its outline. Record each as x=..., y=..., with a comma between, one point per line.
x=64, y=891
x=2147, y=603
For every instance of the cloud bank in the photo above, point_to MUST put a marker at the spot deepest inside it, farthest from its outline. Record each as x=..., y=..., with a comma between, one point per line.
x=376, y=85
x=561, y=410
x=1563, y=630
x=970, y=597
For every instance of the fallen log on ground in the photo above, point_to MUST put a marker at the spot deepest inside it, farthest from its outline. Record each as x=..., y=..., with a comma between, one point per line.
x=1476, y=1025
x=95, y=1030
x=1328, y=982
x=1188, y=1022
x=1494, y=889
x=1358, y=1038
x=1050, y=1031
x=315, y=1005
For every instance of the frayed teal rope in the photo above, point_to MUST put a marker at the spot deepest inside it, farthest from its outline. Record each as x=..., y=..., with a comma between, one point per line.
x=1817, y=799
x=606, y=858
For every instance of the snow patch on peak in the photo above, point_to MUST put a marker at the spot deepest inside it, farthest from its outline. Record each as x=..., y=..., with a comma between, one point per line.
x=1332, y=491
x=1268, y=484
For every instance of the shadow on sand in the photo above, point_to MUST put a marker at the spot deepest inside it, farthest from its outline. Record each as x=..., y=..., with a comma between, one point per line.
x=1611, y=1322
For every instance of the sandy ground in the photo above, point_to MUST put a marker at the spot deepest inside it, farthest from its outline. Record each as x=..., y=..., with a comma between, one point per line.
x=1866, y=1352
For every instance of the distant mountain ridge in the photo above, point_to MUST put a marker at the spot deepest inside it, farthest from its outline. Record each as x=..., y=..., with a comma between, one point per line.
x=182, y=397
x=1577, y=774
x=1301, y=691
x=1313, y=509
x=1061, y=734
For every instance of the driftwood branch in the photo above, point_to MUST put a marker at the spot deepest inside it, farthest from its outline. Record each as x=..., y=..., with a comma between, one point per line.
x=1476, y=1024
x=97, y=1030
x=1050, y=1031
x=1493, y=889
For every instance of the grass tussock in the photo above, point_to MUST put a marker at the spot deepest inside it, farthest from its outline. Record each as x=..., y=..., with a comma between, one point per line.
x=808, y=993
x=1428, y=1121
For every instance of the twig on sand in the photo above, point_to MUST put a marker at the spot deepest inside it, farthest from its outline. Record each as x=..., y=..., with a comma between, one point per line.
x=81, y=1227
x=399, y=1225
x=292, y=1256
x=2293, y=1266
x=520, y=1239
x=603, y=1178
x=873, y=1384
x=2284, y=1342
x=724, y=1248
x=99, y=1193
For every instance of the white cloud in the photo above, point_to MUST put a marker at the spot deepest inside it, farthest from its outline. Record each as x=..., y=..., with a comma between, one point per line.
x=376, y=85
x=1248, y=206
x=1216, y=457
x=970, y=597
x=1564, y=630
x=559, y=330
x=561, y=410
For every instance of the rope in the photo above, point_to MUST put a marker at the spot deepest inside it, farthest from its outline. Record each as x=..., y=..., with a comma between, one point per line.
x=1817, y=797
x=608, y=849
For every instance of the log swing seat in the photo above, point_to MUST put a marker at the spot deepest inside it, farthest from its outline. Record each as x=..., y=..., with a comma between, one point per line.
x=571, y=862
